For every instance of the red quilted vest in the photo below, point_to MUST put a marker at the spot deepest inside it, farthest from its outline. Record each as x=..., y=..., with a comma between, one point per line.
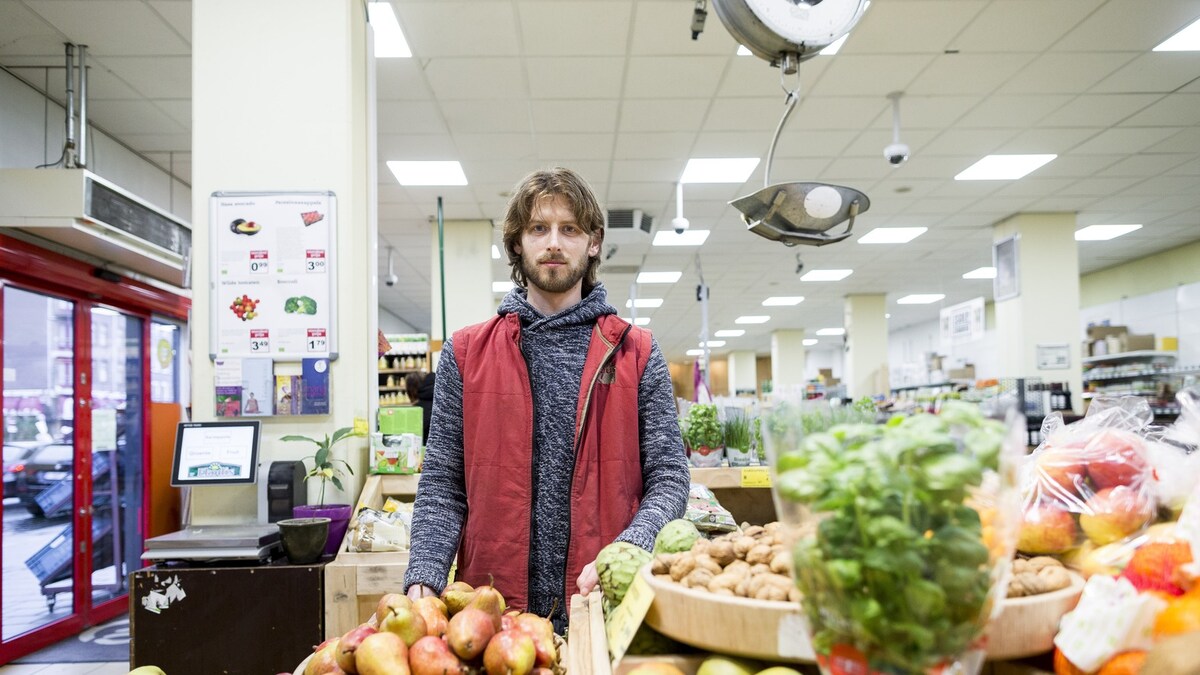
x=606, y=487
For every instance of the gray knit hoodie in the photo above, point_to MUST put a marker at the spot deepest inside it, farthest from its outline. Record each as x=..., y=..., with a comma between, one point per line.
x=555, y=348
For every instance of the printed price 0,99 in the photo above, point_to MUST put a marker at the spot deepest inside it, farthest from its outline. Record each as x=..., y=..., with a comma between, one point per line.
x=259, y=266
x=259, y=345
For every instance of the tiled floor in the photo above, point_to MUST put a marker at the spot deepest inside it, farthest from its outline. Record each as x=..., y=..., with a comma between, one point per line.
x=119, y=668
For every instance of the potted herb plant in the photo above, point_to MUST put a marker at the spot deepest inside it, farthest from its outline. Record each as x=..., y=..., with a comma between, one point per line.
x=327, y=469
x=703, y=434
x=736, y=428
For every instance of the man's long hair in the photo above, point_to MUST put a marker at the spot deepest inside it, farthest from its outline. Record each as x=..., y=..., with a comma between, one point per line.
x=542, y=184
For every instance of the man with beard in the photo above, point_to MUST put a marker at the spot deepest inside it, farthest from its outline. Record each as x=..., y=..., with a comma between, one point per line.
x=554, y=430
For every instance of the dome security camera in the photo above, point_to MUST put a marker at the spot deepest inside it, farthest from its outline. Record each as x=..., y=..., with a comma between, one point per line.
x=680, y=224
x=391, y=280
x=896, y=154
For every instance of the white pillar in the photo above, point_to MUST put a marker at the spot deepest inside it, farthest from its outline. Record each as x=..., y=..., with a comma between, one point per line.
x=743, y=372
x=281, y=100
x=787, y=359
x=1045, y=311
x=469, y=298
x=866, y=369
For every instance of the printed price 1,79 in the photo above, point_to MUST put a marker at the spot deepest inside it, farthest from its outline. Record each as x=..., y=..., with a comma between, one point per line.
x=316, y=340
x=259, y=262
x=314, y=261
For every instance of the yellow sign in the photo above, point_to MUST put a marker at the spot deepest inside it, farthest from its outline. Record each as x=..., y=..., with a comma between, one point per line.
x=624, y=621
x=756, y=477
x=360, y=426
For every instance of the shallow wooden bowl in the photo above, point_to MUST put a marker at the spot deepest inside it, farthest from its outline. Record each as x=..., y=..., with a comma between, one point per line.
x=1027, y=626
x=774, y=631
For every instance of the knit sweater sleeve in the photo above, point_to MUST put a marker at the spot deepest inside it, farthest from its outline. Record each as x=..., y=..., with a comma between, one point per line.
x=665, y=474
x=441, y=505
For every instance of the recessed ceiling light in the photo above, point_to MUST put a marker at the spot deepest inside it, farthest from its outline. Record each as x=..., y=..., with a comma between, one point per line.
x=783, y=300
x=501, y=286
x=981, y=273
x=713, y=343
x=742, y=51
x=1104, y=232
x=695, y=352
x=752, y=319
x=1004, y=167
x=729, y=333
x=650, y=303
x=920, y=299
x=887, y=316
x=687, y=238
x=832, y=331
x=640, y=321
x=495, y=252
x=834, y=46
x=718, y=169
x=1186, y=40
x=808, y=342
x=658, y=277
x=826, y=275
x=389, y=39
x=428, y=173
x=892, y=235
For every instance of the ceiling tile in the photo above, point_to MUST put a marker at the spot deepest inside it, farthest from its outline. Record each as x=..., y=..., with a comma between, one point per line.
x=416, y=146
x=401, y=80
x=1016, y=111
x=967, y=73
x=1162, y=72
x=595, y=28
x=1098, y=110
x=759, y=114
x=1186, y=141
x=663, y=27
x=1127, y=140
x=872, y=76
x=151, y=76
x=840, y=112
x=1040, y=25
x=567, y=116
x=485, y=146
x=673, y=76
x=177, y=14
x=112, y=27
x=476, y=79
x=495, y=117
x=657, y=145
x=571, y=77
x=1168, y=111
x=479, y=28
x=1127, y=26
x=411, y=117
x=670, y=115
x=574, y=146
x=751, y=76
x=133, y=117
x=180, y=143
x=941, y=21
x=1060, y=73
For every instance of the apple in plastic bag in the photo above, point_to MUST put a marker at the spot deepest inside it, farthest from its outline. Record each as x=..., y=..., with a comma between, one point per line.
x=1115, y=458
x=1046, y=528
x=1115, y=513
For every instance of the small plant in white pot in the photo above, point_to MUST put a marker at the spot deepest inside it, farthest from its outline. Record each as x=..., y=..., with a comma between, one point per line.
x=703, y=435
x=737, y=438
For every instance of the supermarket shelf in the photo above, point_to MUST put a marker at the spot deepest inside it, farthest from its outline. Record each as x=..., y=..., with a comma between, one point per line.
x=399, y=484
x=1093, y=394
x=1125, y=356
x=731, y=477
x=391, y=389
x=1186, y=370
x=385, y=371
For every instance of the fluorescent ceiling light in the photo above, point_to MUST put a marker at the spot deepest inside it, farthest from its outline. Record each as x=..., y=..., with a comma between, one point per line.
x=695, y=352
x=687, y=238
x=981, y=273
x=920, y=299
x=783, y=300
x=718, y=170
x=428, y=173
x=1186, y=40
x=640, y=321
x=1004, y=167
x=713, y=343
x=389, y=39
x=826, y=275
x=495, y=252
x=650, y=303
x=752, y=319
x=1104, y=232
x=834, y=46
x=742, y=51
x=729, y=333
x=887, y=316
x=808, y=342
x=892, y=235
x=832, y=331
x=501, y=286
x=658, y=277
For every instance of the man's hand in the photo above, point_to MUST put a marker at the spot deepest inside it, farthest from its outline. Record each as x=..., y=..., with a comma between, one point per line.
x=588, y=579
x=418, y=591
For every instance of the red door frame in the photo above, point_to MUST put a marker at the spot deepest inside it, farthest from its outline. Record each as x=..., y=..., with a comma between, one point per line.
x=29, y=267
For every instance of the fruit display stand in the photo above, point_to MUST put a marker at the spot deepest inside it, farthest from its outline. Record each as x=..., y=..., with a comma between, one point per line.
x=355, y=581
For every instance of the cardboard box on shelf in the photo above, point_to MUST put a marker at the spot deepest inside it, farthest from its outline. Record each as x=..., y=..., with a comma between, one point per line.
x=1137, y=343
x=1085, y=349
x=1101, y=332
x=967, y=372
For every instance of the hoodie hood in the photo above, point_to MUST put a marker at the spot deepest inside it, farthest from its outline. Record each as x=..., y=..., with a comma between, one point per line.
x=425, y=392
x=591, y=307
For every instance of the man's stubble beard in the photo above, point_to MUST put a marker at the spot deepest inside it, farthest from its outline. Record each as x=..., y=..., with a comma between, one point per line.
x=554, y=282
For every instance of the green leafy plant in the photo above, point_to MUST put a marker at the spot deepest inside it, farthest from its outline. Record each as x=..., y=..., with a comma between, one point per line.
x=702, y=428
x=325, y=467
x=756, y=434
x=737, y=431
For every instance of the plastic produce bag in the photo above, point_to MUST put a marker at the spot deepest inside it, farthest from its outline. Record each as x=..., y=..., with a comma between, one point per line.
x=381, y=530
x=706, y=513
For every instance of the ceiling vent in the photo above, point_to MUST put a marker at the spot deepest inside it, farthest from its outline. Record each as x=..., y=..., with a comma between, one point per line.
x=78, y=209
x=627, y=225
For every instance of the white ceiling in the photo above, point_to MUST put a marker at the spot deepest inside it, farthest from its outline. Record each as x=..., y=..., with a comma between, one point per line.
x=617, y=90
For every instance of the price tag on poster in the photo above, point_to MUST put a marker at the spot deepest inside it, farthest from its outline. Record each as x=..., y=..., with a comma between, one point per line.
x=272, y=274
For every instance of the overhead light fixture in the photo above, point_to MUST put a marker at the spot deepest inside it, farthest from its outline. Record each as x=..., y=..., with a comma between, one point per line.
x=826, y=275
x=1186, y=40
x=718, y=169
x=834, y=46
x=981, y=273
x=1104, y=232
x=752, y=319
x=649, y=303
x=502, y=286
x=892, y=235
x=658, y=277
x=695, y=352
x=742, y=51
x=831, y=331
x=389, y=39
x=808, y=342
x=495, y=252
x=685, y=238
x=728, y=333
x=412, y=173
x=713, y=343
x=920, y=299
x=640, y=321
x=1004, y=167
x=887, y=316
x=783, y=300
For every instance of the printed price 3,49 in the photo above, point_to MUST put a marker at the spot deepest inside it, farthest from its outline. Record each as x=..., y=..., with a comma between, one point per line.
x=260, y=341
x=314, y=261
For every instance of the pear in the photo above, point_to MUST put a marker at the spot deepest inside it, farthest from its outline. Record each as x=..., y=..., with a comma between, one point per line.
x=489, y=600
x=457, y=596
x=434, y=612
x=469, y=631
x=432, y=656
x=404, y=622
x=509, y=652
x=725, y=665
x=348, y=645
x=382, y=653
x=387, y=602
x=541, y=631
x=508, y=620
x=324, y=659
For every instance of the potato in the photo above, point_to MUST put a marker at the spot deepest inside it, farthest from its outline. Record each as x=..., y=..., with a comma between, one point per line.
x=761, y=553
x=698, y=578
x=705, y=561
x=722, y=552
x=739, y=567
x=662, y=563
x=724, y=581
x=781, y=562
x=683, y=565
x=742, y=546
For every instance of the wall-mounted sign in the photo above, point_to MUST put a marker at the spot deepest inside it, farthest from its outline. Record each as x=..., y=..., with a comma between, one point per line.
x=272, y=275
x=1054, y=356
x=963, y=322
x=1007, y=283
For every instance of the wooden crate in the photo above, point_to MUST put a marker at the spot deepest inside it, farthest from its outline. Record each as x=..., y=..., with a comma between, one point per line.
x=354, y=582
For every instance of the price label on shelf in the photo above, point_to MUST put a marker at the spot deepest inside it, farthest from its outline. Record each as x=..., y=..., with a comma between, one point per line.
x=314, y=261
x=756, y=477
x=259, y=262
x=260, y=340
x=316, y=340
x=627, y=617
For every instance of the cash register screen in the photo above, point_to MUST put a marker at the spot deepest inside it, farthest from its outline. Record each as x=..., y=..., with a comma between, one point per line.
x=216, y=453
